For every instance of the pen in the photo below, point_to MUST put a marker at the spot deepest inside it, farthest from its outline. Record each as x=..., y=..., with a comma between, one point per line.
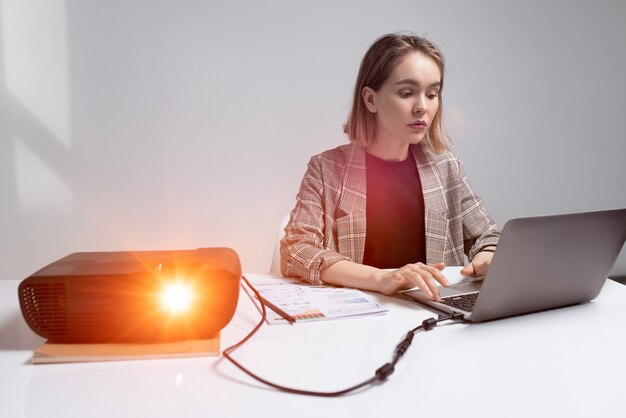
x=279, y=311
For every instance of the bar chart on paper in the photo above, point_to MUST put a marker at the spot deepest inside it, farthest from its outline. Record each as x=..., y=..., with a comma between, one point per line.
x=305, y=302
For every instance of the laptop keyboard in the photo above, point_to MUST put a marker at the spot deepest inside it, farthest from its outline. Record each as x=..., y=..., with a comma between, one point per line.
x=464, y=302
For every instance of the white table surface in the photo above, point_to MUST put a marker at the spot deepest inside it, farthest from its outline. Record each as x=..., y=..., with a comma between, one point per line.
x=566, y=362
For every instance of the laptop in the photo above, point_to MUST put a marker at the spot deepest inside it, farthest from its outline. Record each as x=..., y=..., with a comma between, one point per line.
x=540, y=263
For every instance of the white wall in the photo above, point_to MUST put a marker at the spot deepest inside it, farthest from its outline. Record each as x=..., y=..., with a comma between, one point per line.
x=180, y=124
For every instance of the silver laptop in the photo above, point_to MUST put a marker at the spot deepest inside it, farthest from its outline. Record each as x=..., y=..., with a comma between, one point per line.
x=540, y=263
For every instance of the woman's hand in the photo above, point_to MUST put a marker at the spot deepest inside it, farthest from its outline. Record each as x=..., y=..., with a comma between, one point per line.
x=423, y=276
x=479, y=265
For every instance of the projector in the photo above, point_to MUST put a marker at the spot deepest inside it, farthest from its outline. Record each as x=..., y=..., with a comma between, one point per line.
x=144, y=296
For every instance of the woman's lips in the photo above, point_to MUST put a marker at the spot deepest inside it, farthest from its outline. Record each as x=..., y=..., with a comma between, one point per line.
x=418, y=126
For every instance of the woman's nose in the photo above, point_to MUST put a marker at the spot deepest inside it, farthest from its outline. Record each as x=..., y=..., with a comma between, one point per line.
x=420, y=105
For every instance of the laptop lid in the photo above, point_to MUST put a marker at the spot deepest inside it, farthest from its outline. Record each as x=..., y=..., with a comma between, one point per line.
x=549, y=261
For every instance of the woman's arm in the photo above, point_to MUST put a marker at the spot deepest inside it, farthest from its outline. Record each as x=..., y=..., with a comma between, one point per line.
x=480, y=233
x=351, y=274
x=302, y=250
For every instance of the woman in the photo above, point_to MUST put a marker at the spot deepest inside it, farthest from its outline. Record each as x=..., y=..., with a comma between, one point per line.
x=388, y=211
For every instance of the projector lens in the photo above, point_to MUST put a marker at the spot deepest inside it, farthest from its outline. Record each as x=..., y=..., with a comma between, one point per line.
x=176, y=297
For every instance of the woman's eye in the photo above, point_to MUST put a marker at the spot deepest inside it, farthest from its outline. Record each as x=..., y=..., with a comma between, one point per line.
x=406, y=93
x=433, y=95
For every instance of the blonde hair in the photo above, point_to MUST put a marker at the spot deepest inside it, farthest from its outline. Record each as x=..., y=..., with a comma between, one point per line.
x=378, y=63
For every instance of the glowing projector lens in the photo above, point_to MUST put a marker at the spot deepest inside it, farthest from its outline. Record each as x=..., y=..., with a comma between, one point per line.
x=176, y=297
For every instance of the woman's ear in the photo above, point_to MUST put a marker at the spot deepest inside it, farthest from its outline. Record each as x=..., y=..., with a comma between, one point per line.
x=369, y=96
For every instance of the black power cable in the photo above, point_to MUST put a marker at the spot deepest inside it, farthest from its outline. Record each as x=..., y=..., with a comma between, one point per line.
x=381, y=374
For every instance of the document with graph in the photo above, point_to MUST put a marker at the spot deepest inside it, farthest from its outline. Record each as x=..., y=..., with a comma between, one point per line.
x=306, y=303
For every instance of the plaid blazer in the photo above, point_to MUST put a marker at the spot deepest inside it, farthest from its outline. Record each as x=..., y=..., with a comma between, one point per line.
x=328, y=222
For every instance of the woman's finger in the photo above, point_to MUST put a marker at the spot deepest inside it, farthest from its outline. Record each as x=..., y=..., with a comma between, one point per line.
x=437, y=274
x=425, y=281
x=414, y=276
x=428, y=278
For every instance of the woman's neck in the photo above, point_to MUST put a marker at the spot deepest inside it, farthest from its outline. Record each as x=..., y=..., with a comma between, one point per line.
x=388, y=152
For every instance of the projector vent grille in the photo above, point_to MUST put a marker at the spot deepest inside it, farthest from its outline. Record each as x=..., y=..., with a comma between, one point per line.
x=45, y=306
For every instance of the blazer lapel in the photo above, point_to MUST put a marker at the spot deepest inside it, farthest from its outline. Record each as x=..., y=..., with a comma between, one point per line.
x=436, y=222
x=350, y=216
x=354, y=187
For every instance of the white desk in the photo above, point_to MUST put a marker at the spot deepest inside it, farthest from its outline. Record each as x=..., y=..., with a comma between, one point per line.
x=567, y=362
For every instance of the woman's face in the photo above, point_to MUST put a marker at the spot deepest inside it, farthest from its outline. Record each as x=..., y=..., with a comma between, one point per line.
x=406, y=103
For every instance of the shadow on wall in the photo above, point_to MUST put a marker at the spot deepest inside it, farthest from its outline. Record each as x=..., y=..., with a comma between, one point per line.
x=36, y=157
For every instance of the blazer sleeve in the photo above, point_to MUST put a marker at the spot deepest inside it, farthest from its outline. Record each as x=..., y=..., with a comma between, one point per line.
x=305, y=249
x=479, y=230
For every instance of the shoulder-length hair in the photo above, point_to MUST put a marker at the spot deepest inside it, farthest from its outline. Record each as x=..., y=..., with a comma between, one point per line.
x=378, y=63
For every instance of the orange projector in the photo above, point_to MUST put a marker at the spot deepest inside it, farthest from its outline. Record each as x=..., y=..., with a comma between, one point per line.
x=145, y=296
